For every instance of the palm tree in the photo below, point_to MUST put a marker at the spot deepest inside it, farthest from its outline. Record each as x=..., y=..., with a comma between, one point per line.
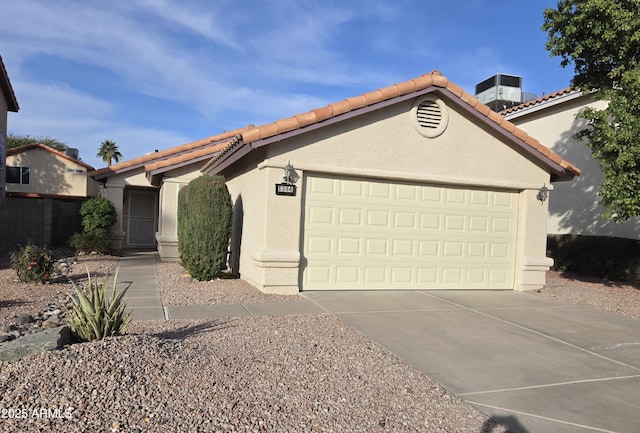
x=108, y=151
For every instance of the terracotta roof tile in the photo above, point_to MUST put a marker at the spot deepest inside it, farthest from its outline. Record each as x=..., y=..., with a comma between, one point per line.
x=483, y=109
x=323, y=113
x=306, y=119
x=340, y=107
x=373, y=97
x=536, y=101
x=406, y=87
x=285, y=125
x=356, y=102
x=389, y=92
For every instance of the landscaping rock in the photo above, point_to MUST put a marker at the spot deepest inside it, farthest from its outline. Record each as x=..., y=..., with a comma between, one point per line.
x=49, y=339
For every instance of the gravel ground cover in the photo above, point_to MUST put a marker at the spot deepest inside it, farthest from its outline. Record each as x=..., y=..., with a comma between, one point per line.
x=307, y=373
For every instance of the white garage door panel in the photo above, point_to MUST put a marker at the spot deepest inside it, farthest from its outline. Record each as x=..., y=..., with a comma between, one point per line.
x=366, y=234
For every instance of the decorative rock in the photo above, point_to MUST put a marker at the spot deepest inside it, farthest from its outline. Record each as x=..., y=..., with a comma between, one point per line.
x=23, y=319
x=50, y=339
x=51, y=323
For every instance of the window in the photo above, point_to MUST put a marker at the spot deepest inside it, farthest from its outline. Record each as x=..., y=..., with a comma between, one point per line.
x=18, y=175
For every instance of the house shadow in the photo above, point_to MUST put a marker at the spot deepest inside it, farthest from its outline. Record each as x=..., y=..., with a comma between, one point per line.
x=236, y=237
x=574, y=206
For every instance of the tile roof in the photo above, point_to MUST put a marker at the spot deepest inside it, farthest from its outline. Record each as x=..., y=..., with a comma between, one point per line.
x=173, y=156
x=538, y=101
x=49, y=149
x=433, y=79
x=7, y=89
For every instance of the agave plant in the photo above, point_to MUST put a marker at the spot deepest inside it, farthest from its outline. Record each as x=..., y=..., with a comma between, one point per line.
x=97, y=315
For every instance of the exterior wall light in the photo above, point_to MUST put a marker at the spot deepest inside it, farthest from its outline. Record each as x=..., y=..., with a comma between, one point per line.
x=288, y=173
x=543, y=193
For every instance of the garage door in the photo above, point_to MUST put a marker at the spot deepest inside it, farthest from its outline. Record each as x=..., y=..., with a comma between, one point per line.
x=369, y=234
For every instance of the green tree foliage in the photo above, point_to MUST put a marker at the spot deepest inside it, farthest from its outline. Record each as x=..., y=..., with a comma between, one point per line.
x=14, y=141
x=204, y=226
x=601, y=39
x=108, y=151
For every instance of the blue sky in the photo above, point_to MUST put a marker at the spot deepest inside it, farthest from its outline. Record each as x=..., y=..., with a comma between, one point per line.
x=153, y=74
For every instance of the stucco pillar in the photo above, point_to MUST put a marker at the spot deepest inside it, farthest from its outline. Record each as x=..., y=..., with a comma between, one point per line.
x=167, y=235
x=533, y=264
x=279, y=265
x=115, y=194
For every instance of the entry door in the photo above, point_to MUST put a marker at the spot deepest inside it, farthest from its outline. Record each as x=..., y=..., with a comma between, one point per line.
x=142, y=218
x=373, y=234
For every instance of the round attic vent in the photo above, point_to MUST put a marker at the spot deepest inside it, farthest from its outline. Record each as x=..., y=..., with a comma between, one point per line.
x=430, y=116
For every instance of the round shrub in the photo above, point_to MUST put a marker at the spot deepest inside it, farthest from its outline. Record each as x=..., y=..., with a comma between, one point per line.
x=97, y=213
x=204, y=226
x=33, y=263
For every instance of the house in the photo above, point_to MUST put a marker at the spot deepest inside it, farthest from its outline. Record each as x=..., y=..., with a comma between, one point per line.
x=8, y=102
x=573, y=206
x=43, y=189
x=415, y=185
x=145, y=190
x=39, y=171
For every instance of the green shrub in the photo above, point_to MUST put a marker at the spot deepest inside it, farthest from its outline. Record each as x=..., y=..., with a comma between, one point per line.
x=598, y=256
x=96, y=315
x=204, y=226
x=96, y=216
x=98, y=241
x=97, y=213
x=33, y=263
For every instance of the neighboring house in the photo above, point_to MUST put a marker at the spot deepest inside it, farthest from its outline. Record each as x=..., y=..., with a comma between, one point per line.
x=43, y=189
x=8, y=102
x=145, y=191
x=412, y=186
x=573, y=206
x=415, y=185
x=36, y=170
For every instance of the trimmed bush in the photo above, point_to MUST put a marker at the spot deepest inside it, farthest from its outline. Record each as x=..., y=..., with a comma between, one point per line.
x=97, y=213
x=33, y=263
x=98, y=241
x=598, y=256
x=96, y=216
x=204, y=226
x=96, y=315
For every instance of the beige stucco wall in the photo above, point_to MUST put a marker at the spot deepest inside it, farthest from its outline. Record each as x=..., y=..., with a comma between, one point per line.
x=382, y=144
x=51, y=174
x=574, y=206
x=167, y=235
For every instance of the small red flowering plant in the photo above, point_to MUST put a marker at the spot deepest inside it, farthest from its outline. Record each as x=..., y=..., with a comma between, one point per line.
x=33, y=263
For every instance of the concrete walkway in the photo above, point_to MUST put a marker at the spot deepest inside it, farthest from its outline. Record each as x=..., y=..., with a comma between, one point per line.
x=138, y=271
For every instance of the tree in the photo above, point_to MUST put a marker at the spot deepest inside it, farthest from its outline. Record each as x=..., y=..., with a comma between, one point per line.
x=14, y=141
x=108, y=151
x=601, y=38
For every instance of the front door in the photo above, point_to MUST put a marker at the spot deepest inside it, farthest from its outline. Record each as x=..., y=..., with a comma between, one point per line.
x=142, y=211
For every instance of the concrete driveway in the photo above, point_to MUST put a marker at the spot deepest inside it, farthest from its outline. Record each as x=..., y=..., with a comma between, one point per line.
x=535, y=365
